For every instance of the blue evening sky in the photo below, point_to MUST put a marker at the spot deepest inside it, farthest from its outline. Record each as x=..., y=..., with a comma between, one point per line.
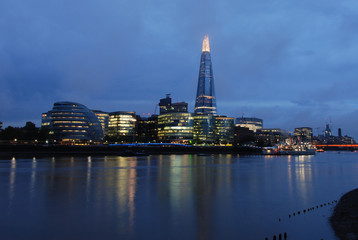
x=292, y=63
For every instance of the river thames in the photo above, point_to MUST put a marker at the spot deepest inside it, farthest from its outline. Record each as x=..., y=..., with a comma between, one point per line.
x=173, y=196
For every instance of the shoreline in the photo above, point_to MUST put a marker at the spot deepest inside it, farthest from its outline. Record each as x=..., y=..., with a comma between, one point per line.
x=344, y=219
x=46, y=150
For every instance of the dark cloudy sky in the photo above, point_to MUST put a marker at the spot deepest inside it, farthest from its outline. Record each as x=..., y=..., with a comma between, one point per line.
x=292, y=63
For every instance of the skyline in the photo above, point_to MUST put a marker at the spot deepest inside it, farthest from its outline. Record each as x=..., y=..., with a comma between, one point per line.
x=290, y=64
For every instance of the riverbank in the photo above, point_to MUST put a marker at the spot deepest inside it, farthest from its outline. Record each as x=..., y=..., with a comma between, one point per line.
x=13, y=150
x=344, y=220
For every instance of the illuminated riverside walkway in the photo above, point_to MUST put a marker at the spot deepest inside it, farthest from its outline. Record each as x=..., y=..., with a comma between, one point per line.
x=351, y=147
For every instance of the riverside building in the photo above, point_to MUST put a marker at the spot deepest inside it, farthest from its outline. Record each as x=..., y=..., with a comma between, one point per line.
x=175, y=127
x=304, y=134
x=224, y=130
x=205, y=103
x=252, y=124
x=175, y=124
x=103, y=118
x=147, y=129
x=121, y=126
x=72, y=122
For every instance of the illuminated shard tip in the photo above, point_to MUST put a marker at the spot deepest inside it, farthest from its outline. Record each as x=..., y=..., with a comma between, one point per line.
x=205, y=96
x=206, y=46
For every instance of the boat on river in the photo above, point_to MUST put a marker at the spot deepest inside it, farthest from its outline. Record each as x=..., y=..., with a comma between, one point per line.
x=296, y=149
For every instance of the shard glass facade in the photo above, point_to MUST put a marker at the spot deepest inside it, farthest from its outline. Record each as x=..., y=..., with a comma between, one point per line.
x=205, y=96
x=205, y=104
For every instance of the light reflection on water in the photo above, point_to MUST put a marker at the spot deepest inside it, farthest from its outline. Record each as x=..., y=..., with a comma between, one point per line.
x=172, y=196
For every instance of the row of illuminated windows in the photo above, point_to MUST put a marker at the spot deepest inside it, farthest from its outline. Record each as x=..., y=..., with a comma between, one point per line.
x=70, y=117
x=73, y=130
x=122, y=116
x=67, y=113
x=71, y=126
x=121, y=126
x=57, y=122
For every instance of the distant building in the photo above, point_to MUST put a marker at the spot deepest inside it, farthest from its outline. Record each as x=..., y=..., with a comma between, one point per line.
x=147, y=129
x=270, y=136
x=121, y=126
x=166, y=106
x=175, y=128
x=69, y=121
x=303, y=134
x=0, y=126
x=224, y=130
x=327, y=131
x=252, y=124
x=103, y=118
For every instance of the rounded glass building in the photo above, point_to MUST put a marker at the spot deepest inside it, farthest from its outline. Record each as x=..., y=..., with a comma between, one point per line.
x=74, y=122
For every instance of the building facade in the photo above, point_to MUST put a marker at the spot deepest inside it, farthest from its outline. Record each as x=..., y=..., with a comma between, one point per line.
x=175, y=128
x=270, y=136
x=252, y=124
x=46, y=119
x=147, y=129
x=205, y=103
x=72, y=122
x=224, y=130
x=166, y=106
x=121, y=126
x=303, y=134
x=103, y=118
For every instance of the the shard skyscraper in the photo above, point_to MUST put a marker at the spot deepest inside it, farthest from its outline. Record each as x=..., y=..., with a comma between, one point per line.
x=205, y=96
x=205, y=104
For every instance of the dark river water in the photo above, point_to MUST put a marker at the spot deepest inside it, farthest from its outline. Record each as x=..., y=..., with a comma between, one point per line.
x=173, y=196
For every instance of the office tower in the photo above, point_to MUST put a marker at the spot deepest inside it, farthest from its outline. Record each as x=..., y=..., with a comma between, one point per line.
x=166, y=106
x=205, y=104
x=251, y=123
x=147, y=129
x=205, y=96
x=121, y=126
x=224, y=130
x=175, y=127
x=103, y=118
x=72, y=122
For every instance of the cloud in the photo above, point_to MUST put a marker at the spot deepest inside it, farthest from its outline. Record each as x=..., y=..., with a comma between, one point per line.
x=288, y=62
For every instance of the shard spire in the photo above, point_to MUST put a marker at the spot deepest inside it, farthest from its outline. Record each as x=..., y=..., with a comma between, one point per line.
x=205, y=97
x=206, y=46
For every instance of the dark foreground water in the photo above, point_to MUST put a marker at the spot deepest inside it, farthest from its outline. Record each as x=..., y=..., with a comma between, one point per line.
x=173, y=196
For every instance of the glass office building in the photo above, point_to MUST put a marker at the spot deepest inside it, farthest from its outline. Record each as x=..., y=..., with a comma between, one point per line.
x=121, y=126
x=205, y=104
x=205, y=96
x=69, y=121
x=224, y=130
x=166, y=106
x=147, y=129
x=175, y=127
x=103, y=119
x=204, y=129
x=253, y=124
